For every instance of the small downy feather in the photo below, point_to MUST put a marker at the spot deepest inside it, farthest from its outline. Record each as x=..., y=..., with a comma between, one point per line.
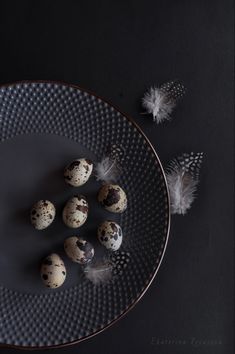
x=160, y=101
x=107, y=269
x=109, y=168
x=100, y=272
x=106, y=170
x=183, y=177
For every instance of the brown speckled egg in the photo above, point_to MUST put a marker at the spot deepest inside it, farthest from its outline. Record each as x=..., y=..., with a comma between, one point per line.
x=75, y=212
x=42, y=214
x=110, y=235
x=113, y=198
x=53, y=271
x=79, y=250
x=78, y=172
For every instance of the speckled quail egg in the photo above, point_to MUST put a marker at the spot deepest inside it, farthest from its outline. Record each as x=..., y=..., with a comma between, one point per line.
x=75, y=212
x=42, y=214
x=78, y=250
x=113, y=198
x=53, y=271
x=110, y=235
x=78, y=172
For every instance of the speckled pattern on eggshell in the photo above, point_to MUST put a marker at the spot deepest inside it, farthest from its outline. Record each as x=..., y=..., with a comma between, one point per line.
x=42, y=214
x=110, y=235
x=79, y=250
x=75, y=211
x=113, y=198
x=53, y=271
x=78, y=172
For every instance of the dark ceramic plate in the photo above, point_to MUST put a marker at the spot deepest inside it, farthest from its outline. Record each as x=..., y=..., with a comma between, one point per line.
x=44, y=125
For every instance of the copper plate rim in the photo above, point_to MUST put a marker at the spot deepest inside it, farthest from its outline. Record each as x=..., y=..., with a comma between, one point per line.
x=168, y=227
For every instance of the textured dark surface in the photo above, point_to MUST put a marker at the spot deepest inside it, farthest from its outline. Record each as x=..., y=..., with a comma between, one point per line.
x=118, y=51
x=37, y=120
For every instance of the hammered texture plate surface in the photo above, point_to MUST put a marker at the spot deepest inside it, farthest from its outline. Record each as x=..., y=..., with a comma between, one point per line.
x=71, y=314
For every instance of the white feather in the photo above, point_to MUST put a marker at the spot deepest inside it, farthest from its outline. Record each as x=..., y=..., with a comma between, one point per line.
x=157, y=103
x=107, y=170
x=99, y=273
x=182, y=179
x=160, y=101
x=182, y=189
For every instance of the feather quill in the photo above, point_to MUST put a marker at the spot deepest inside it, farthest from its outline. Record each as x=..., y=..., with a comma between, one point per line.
x=182, y=178
x=160, y=101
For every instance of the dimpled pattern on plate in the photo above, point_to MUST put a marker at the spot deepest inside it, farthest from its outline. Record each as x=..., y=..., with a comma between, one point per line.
x=68, y=315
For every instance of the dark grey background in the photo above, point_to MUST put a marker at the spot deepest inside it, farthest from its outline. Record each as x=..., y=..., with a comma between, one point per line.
x=118, y=49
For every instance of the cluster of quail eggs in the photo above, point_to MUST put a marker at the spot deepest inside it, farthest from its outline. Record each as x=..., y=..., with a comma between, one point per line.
x=75, y=212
